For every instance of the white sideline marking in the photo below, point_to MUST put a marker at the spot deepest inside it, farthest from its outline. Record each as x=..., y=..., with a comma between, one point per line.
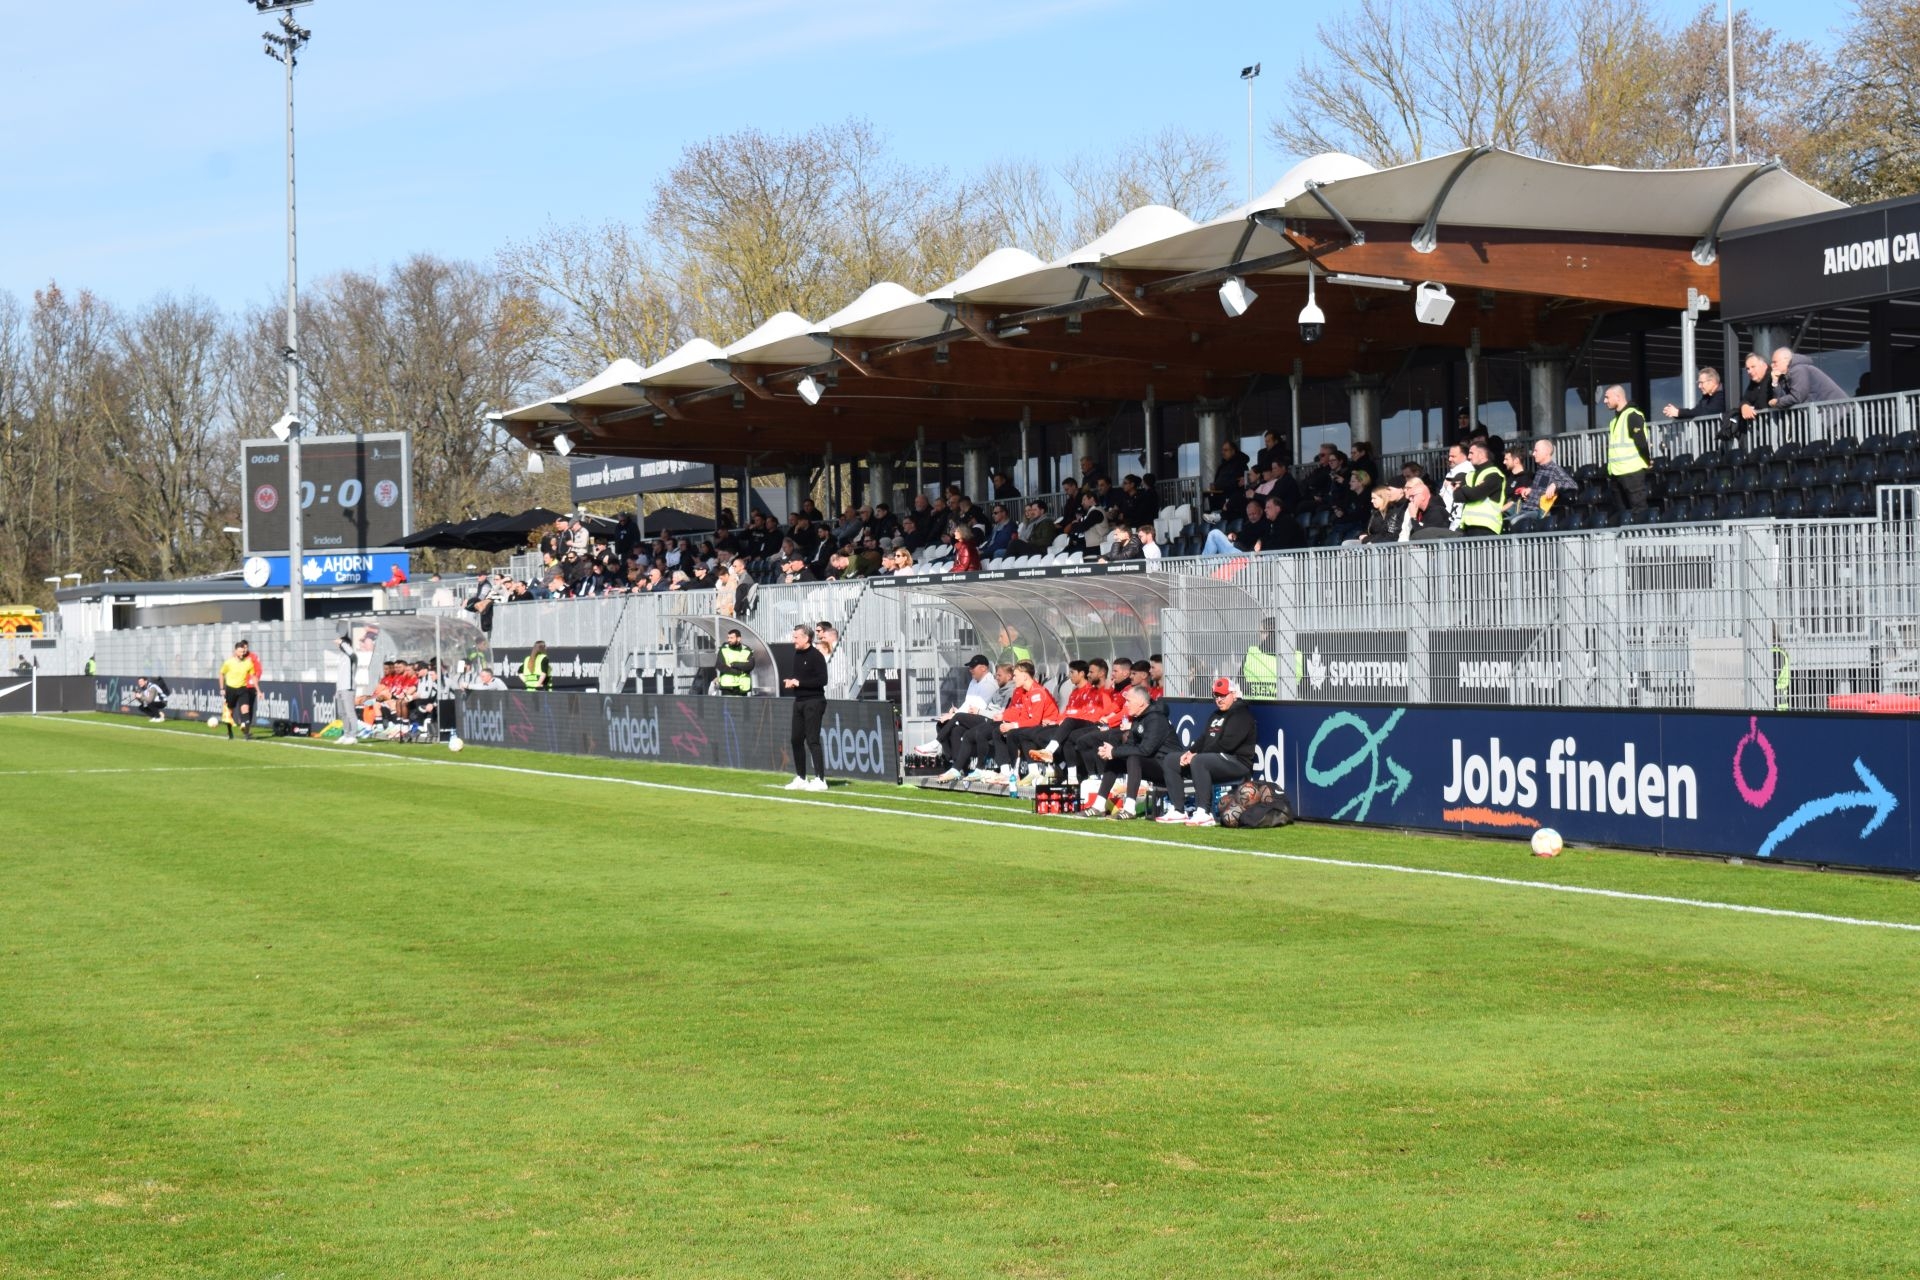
x=169, y=768
x=1080, y=832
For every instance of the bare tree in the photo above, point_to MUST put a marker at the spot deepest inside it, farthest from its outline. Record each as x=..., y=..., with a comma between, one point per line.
x=1870, y=149
x=1184, y=170
x=1398, y=80
x=608, y=297
x=172, y=450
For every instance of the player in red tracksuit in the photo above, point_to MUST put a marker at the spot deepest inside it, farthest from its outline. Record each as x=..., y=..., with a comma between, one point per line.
x=1031, y=710
x=1091, y=706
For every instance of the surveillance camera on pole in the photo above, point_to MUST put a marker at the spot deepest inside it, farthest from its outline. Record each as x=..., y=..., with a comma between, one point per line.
x=1313, y=321
x=285, y=428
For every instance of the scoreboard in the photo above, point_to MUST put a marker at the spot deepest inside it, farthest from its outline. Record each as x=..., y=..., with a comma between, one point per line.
x=356, y=492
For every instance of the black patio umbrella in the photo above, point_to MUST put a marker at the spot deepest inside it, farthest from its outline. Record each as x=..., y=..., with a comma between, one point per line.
x=492, y=533
x=439, y=534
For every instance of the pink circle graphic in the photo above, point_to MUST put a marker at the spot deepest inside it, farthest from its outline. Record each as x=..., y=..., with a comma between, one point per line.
x=266, y=497
x=1755, y=796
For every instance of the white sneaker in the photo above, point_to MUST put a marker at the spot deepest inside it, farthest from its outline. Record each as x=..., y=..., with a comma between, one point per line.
x=984, y=775
x=928, y=749
x=951, y=775
x=1201, y=818
x=1173, y=815
x=1097, y=808
x=816, y=784
x=798, y=784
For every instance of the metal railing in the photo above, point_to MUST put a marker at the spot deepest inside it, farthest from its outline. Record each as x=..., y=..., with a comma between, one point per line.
x=1886, y=415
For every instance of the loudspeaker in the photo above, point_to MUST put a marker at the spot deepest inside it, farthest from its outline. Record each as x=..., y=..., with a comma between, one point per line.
x=1432, y=304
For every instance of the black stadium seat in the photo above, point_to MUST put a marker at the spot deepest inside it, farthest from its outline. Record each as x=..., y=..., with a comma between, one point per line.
x=1760, y=505
x=1791, y=505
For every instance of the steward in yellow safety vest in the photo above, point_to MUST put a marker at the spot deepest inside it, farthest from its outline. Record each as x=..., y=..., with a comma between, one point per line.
x=1483, y=497
x=1629, y=452
x=736, y=667
x=536, y=671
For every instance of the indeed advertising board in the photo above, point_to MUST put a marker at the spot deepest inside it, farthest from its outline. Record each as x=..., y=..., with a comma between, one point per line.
x=193, y=699
x=1829, y=788
x=726, y=733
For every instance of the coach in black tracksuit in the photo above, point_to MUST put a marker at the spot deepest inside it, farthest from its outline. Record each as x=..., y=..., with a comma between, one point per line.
x=1147, y=737
x=807, y=686
x=1224, y=752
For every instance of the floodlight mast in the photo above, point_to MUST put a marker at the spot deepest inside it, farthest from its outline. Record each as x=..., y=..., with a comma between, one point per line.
x=284, y=48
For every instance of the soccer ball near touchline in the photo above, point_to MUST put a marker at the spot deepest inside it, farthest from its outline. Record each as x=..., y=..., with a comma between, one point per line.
x=213, y=721
x=1546, y=843
x=454, y=742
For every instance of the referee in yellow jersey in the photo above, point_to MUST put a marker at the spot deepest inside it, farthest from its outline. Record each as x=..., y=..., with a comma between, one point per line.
x=239, y=679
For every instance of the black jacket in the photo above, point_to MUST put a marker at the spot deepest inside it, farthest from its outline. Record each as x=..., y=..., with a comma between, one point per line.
x=1229, y=733
x=810, y=669
x=1710, y=406
x=1150, y=737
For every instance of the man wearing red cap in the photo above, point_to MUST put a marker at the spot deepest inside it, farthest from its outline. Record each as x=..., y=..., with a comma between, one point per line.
x=1224, y=753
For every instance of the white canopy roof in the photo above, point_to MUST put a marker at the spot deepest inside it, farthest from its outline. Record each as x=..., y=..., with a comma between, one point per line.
x=1498, y=189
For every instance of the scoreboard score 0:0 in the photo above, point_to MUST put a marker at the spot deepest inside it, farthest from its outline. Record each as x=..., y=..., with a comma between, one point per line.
x=356, y=493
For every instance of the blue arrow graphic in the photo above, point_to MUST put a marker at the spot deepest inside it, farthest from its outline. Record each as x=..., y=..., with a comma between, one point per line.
x=1876, y=797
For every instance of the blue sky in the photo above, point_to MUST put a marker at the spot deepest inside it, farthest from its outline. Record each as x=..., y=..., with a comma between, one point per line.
x=142, y=138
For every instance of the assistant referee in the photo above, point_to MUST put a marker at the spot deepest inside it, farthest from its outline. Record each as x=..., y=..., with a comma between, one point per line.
x=239, y=681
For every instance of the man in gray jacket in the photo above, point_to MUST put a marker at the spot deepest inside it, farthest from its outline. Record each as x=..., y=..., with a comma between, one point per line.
x=1796, y=380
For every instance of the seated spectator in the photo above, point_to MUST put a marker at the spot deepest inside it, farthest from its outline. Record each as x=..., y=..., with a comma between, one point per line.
x=1149, y=542
x=1091, y=473
x=1244, y=537
x=1002, y=487
x=1138, y=502
x=1123, y=545
x=1270, y=450
x=1550, y=481
x=1038, y=529
x=884, y=524
x=1283, y=530
x=1389, y=509
x=913, y=534
x=1228, y=476
x=966, y=555
x=1223, y=753
x=898, y=559
x=1000, y=534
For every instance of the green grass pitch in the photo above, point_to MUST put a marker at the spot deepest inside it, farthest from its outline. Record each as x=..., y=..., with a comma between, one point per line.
x=272, y=1010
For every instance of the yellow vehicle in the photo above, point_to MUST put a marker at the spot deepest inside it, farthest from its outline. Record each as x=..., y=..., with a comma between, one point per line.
x=21, y=620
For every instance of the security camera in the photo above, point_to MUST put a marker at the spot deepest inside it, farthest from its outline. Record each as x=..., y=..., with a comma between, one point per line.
x=1313, y=322
x=285, y=427
x=535, y=463
x=810, y=389
x=563, y=444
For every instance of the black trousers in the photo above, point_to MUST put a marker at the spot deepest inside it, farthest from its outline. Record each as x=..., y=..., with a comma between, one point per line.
x=807, y=714
x=952, y=736
x=1208, y=770
x=1133, y=766
x=1087, y=749
x=1629, y=491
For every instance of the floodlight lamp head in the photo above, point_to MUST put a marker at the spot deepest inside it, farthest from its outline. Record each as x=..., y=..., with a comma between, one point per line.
x=810, y=389
x=563, y=444
x=536, y=465
x=286, y=427
x=1236, y=297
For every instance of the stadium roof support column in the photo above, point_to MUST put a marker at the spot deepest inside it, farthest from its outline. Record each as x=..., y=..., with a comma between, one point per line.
x=1547, y=391
x=1147, y=443
x=880, y=481
x=1210, y=422
x=796, y=490
x=973, y=474
x=1364, y=395
x=1084, y=442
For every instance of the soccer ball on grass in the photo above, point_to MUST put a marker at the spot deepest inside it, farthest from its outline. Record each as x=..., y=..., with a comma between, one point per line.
x=1546, y=843
x=454, y=742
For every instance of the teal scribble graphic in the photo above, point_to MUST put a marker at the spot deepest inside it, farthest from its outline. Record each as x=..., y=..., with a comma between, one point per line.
x=1367, y=753
x=1874, y=797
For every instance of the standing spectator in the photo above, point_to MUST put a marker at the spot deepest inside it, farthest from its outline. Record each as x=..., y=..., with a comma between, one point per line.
x=1549, y=483
x=807, y=686
x=536, y=669
x=1091, y=473
x=1003, y=488
x=1270, y=450
x=1629, y=452
x=1797, y=380
x=1224, y=753
x=1712, y=402
x=1758, y=391
x=1458, y=469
